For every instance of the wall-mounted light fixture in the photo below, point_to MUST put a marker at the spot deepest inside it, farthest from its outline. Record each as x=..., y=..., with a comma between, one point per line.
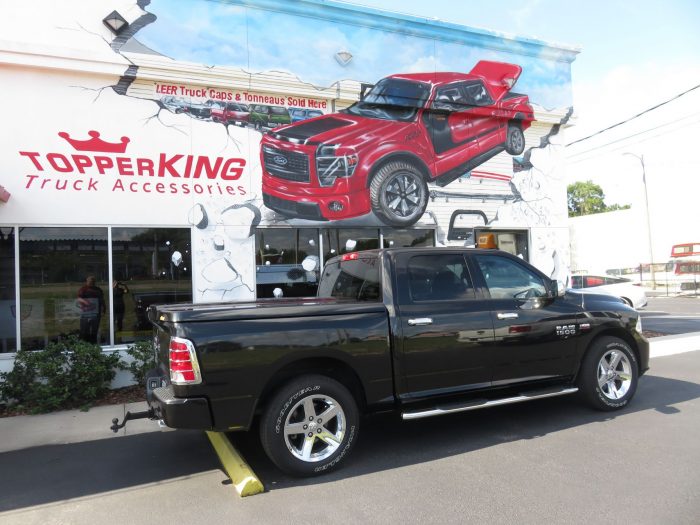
x=343, y=57
x=115, y=22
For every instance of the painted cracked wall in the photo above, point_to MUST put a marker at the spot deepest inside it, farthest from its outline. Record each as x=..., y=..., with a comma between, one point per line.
x=190, y=159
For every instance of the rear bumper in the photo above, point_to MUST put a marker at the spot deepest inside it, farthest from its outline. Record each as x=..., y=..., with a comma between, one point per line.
x=179, y=412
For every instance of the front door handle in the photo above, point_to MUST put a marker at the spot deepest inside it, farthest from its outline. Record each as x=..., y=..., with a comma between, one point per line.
x=420, y=321
x=507, y=315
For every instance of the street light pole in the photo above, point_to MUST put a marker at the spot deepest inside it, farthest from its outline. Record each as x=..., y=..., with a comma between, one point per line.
x=646, y=203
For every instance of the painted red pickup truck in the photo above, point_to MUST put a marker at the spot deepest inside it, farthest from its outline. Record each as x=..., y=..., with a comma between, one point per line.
x=379, y=154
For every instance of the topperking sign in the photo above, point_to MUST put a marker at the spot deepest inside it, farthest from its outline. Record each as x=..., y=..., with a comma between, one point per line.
x=97, y=165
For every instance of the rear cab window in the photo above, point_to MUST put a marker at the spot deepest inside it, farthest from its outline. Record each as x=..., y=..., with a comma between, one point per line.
x=352, y=277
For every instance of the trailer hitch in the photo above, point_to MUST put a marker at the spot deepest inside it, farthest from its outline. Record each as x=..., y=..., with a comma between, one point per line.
x=150, y=414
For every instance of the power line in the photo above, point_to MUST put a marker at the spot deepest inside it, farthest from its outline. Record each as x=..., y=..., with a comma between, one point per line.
x=579, y=158
x=670, y=123
x=635, y=116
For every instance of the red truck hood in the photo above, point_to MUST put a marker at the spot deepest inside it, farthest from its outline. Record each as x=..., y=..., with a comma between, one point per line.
x=343, y=128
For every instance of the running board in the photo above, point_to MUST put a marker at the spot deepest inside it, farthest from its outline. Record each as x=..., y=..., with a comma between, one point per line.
x=486, y=403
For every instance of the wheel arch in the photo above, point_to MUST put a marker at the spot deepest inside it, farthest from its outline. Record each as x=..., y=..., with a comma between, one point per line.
x=618, y=333
x=326, y=366
x=402, y=156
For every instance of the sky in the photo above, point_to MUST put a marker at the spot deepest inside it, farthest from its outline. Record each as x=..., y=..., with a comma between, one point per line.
x=634, y=55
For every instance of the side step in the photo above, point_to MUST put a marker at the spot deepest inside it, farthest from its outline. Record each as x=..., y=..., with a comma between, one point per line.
x=487, y=403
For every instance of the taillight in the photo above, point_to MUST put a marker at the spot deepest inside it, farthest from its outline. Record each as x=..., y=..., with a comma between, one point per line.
x=350, y=256
x=184, y=368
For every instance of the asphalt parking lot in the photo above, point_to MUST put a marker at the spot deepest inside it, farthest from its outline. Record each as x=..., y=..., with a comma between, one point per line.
x=552, y=460
x=672, y=315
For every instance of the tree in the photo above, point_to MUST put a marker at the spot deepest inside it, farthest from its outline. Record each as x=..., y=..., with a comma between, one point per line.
x=585, y=198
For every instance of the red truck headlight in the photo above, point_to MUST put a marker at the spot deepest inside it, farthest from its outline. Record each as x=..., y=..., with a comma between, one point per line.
x=331, y=166
x=184, y=367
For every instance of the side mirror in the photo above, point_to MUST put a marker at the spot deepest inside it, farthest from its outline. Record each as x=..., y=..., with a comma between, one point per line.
x=561, y=288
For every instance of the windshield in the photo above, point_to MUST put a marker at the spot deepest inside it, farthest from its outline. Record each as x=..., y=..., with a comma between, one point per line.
x=392, y=99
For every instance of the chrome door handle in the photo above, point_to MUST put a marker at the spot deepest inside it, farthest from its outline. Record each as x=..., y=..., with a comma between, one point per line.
x=507, y=315
x=420, y=321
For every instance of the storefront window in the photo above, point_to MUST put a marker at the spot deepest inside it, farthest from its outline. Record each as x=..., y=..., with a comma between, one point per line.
x=345, y=240
x=8, y=310
x=150, y=266
x=63, y=285
x=407, y=238
x=288, y=259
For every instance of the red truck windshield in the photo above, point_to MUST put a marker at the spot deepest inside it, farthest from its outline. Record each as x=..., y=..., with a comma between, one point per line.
x=392, y=99
x=355, y=279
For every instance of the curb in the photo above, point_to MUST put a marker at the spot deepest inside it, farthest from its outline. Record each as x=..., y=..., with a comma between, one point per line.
x=244, y=479
x=674, y=344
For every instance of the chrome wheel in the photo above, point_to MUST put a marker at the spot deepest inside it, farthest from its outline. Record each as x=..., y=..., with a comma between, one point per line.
x=314, y=428
x=614, y=374
x=403, y=195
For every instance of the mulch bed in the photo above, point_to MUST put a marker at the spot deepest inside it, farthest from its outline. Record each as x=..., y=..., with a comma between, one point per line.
x=118, y=396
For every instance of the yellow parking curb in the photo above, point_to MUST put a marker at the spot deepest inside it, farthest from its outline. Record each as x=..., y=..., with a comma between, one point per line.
x=244, y=479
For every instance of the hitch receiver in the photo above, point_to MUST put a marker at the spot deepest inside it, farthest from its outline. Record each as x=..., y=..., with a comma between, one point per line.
x=150, y=414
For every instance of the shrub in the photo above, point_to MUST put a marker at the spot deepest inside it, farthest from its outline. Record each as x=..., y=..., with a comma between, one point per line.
x=144, y=360
x=66, y=374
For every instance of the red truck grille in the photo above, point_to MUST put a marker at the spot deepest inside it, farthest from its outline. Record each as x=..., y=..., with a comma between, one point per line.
x=288, y=165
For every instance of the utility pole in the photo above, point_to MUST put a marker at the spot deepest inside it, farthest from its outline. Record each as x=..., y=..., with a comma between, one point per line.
x=646, y=204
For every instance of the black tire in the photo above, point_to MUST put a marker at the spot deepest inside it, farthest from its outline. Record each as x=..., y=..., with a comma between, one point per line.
x=603, y=384
x=515, y=140
x=324, y=444
x=398, y=194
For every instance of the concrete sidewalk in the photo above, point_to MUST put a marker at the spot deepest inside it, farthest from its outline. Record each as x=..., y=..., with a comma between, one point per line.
x=74, y=426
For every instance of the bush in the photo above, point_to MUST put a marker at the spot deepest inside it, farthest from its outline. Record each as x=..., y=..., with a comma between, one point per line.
x=144, y=360
x=66, y=374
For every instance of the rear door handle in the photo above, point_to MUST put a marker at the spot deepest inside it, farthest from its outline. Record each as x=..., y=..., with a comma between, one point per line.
x=420, y=321
x=507, y=315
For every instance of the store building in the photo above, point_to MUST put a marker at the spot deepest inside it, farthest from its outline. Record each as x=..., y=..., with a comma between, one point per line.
x=143, y=147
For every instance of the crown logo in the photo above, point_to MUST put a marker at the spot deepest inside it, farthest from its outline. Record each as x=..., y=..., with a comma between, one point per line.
x=95, y=143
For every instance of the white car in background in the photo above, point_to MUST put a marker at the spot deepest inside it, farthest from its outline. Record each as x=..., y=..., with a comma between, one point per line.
x=632, y=293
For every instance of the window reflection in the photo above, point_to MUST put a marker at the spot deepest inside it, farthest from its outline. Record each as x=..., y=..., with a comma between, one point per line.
x=288, y=259
x=345, y=240
x=55, y=266
x=8, y=311
x=407, y=238
x=150, y=266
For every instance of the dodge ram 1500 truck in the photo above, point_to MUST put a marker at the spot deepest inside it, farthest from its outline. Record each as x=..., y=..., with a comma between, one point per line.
x=422, y=331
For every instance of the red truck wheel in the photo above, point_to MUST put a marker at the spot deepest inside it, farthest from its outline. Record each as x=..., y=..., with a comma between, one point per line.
x=310, y=426
x=398, y=194
x=515, y=140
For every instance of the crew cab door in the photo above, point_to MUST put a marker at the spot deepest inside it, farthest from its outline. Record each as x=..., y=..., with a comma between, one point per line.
x=535, y=335
x=444, y=332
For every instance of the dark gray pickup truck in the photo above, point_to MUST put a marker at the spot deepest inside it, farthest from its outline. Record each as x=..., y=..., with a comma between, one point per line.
x=422, y=331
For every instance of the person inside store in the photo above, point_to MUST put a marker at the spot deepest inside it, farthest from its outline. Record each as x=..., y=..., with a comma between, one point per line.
x=119, y=290
x=91, y=302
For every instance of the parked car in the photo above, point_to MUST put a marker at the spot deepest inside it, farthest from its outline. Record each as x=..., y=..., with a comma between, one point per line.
x=231, y=113
x=630, y=292
x=380, y=153
x=175, y=104
x=298, y=114
x=262, y=116
x=200, y=109
x=422, y=331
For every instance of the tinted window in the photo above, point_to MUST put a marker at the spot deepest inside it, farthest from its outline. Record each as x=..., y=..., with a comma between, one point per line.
x=356, y=279
x=439, y=277
x=8, y=308
x=507, y=279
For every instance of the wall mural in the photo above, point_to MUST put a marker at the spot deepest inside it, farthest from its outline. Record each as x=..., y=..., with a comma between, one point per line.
x=352, y=127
